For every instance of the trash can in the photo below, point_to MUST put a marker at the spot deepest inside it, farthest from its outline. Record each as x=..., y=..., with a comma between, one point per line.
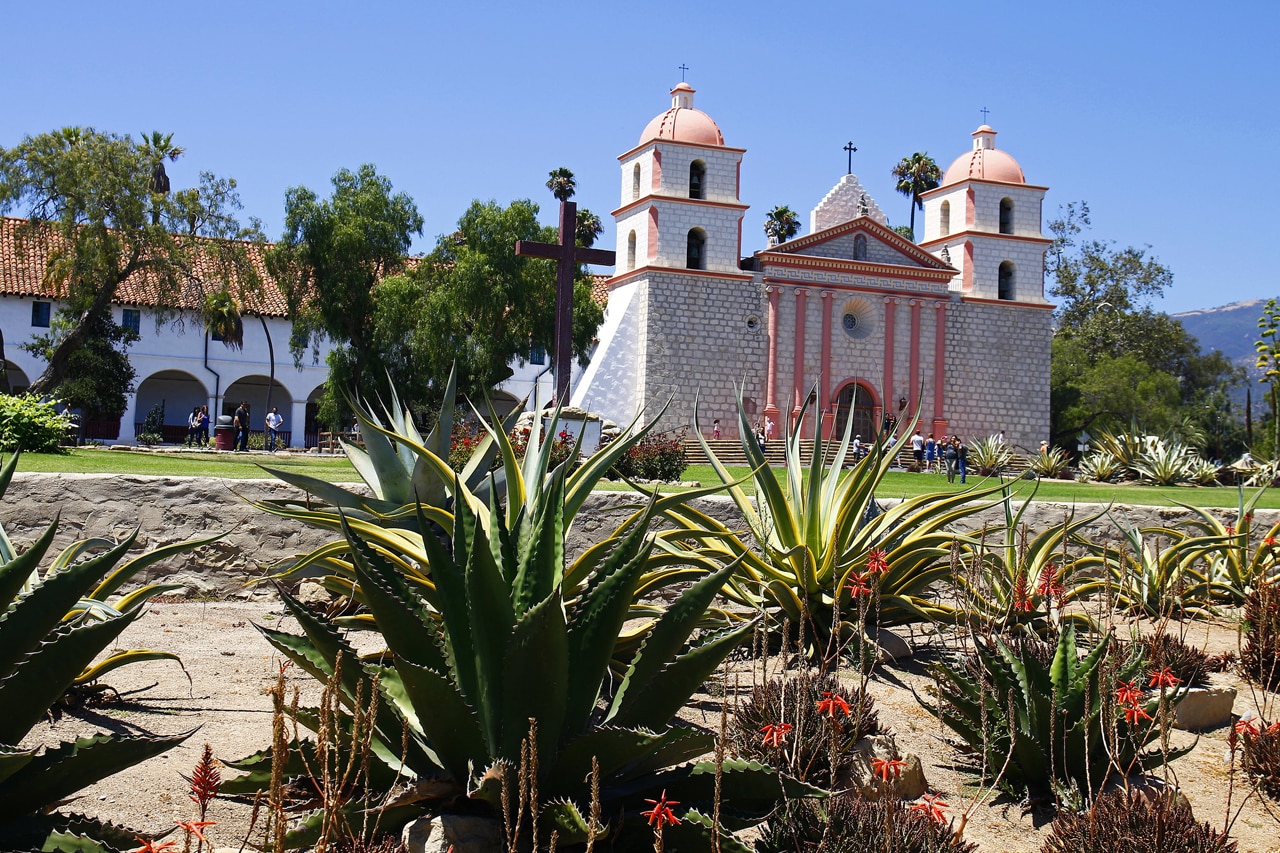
x=224, y=434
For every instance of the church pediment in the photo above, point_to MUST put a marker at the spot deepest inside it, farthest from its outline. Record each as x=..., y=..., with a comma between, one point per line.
x=860, y=241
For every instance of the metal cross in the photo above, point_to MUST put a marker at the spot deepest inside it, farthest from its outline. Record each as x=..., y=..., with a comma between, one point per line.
x=984, y=112
x=567, y=255
x=683, y=68
x=850, y=149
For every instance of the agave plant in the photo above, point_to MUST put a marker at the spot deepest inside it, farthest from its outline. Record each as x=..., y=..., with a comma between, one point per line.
x=989, y=456
x=1033, y=719
x=498, y=636
x=1123, y=448
x=1051, y=462
x=1011, y=576
x=52, y=626
x=1165, y=463
x=1099, y=467
x=1228, y=560
x=1145, y=579
x=825, y=548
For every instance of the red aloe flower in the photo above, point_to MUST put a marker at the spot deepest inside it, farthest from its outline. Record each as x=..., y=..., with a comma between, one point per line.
x=1270, y=541
x=661, y=814
x=1231, y=530
x=1273, y=729
x=1049, y=586
x=1021, y=595
x=1164, y=678
x=932, y=805
x=884, y=769
x=195, y=827
x=775, y=734
x=830, y=703
x=857, y=585
x=204, y=780
x=1135, y=713
x=1128, y=693
x=150, y=846
x=877, y=561
x=1245, y=726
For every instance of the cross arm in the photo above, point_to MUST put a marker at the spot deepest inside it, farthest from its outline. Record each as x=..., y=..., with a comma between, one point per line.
x=531, y=249
x=603, y=257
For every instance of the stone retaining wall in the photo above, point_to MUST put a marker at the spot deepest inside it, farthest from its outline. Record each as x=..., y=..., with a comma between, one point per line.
x=172, y=509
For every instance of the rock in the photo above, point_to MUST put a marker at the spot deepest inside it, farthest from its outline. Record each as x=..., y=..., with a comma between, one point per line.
x=423, y=835
x=1204, y=708
x=313, y=592
x=910, y=783
x=892, y=647
x=1150, y=788
x=472, y=833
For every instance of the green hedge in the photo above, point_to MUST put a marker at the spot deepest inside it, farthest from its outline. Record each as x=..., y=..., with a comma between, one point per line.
x=30, y=424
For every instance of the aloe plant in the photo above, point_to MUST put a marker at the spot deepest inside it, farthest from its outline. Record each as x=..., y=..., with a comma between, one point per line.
x=990, y=456
x=1038, y=717
x=496, y=633
x=820, y=528
x=1099, y=467
x=52, y=626
x=1227, y=559
x=1052, y=462
x=1146, y=578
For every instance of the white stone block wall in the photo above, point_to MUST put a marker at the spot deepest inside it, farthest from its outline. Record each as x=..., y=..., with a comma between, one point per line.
x=677, y=218
x=700, y=345
x=933, y=213
x=842, y=247
x=720, y=182
x=636, y=220
x=1028, y=265
x=998, y=372
x=1026, y=208
x=842, y=204
x=613, y=382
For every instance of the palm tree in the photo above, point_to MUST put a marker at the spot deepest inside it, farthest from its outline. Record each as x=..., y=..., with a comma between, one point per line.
x=588, y=228
x=916, y=174
x=562, y=184
x=159, y=147
x=781, y=224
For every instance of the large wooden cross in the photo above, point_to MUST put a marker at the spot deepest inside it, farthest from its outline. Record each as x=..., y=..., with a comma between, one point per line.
x=567, y=255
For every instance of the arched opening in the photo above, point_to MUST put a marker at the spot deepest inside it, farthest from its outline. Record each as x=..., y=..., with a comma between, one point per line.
x=312, y=427
x=860, y=248
x=18, y=380
x=856, y=401
x=696, y=250
x=944, y=219
x=631, y=250
x=504, y=403
x=178, y=392
x=697, y=178
x=635, y=182
x=1004, y=289
x=1006, y=215
x=253, y=390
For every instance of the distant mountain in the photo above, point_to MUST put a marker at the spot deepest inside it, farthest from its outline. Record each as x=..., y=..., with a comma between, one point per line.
x=1231, y=328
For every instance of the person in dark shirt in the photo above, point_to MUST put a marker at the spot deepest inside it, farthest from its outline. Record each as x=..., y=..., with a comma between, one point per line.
x=241, y=423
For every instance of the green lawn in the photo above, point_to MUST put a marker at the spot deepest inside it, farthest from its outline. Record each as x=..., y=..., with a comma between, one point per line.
x=338, y=469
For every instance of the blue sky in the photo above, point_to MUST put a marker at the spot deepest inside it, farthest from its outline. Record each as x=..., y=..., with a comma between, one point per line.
x=1150, y=112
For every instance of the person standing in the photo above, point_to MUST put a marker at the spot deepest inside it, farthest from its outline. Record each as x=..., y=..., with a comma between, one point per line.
x=241, y=422
x=274, y=422
x=193, y=427
x=917, y=450
x=962, y=458
x=204, y=426
x=715, y=429
x=950, y=458
x=768, y=429
x=930, y=453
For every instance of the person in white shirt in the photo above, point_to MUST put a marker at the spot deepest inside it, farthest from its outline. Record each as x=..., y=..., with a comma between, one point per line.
x=274, y=422
x=917, y=450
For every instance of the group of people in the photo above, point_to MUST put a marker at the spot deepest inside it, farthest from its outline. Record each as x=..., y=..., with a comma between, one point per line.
x=948, y=454
x=198, y=427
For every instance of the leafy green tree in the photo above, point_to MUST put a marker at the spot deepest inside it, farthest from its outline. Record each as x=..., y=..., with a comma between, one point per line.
x=781, y=224
x=1116, y=361
x=905, y=231
x=474, y=301
x=916, y=174
x=1268, y=349
x=99, y=374
x=98, y=212
x=328, y=263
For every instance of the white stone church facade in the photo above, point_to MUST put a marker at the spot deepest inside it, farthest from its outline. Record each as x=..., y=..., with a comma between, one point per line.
x=956, y=328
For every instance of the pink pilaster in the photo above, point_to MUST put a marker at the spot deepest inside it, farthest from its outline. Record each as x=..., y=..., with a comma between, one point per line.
x=890, y=310
x=771, y=385
x=939, y=368
x=825, y=403
x=798, y=372
x=913, y=395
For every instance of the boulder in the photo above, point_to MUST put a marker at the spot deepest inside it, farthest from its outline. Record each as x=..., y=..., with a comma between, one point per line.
x=313, y=592
x=910, y=783
x=892, y=646
x=452, y=833
x=1204, y=708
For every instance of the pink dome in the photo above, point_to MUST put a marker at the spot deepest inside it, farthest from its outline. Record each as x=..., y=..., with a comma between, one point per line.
x=682, y=123
x=984, y=163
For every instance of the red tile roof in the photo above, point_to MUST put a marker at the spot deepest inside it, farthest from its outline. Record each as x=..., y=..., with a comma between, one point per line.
x=23, y=263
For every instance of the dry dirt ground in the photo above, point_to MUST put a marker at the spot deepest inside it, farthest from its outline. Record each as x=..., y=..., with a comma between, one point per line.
x=230, y=666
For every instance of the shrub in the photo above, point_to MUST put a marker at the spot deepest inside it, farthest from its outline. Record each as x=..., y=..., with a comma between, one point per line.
x=1051, y=463
x=989, y=456
x=804, y=750
x=1261, y=758
x=1099, y=467
x=847, y=824
x=29, y=423
x=656, y=457
x=1045, y=718
x=153, y=426
x=1134, y=822
x=1186, y=662
x=1260, y=658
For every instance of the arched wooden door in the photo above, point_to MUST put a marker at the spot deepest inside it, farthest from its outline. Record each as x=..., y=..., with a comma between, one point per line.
x=855, y=401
